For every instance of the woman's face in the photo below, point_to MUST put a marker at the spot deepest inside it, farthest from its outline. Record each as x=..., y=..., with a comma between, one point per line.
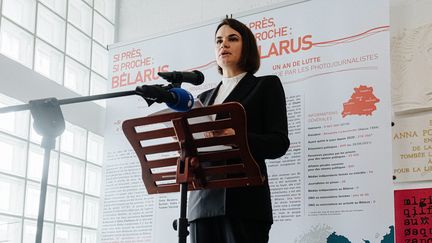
x=228, y=49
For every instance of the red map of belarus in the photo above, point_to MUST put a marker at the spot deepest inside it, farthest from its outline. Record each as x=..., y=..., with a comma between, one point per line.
x=362, y=102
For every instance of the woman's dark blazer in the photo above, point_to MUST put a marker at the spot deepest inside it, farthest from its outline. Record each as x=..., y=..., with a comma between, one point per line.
x=264, y=101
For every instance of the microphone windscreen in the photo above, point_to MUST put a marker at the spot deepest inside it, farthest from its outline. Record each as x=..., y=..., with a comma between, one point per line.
x=199, y=78
x=195, y=77
x=184, y=100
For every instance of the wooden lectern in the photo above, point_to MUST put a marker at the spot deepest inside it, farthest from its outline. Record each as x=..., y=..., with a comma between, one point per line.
x=176, y=156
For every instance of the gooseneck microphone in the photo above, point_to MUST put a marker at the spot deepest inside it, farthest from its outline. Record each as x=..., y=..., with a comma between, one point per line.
x=195, y=77
x=177, y=99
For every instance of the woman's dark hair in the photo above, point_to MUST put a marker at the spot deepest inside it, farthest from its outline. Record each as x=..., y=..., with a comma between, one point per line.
x=250, y=57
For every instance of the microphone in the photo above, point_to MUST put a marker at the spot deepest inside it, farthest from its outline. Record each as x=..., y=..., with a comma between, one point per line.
x=177, y=99
x=195, y=77
x=184, y=100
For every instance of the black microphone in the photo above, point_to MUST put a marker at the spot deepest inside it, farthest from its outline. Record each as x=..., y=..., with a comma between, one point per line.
x=176, y=98
x=195, y=77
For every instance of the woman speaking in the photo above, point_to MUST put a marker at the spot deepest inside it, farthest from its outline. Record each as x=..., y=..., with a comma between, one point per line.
x=242, y=215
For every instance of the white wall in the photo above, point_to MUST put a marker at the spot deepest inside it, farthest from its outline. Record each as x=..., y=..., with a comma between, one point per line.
x=170, y=15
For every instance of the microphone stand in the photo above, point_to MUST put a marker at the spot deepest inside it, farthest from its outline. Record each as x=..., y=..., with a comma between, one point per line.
x=49, y=123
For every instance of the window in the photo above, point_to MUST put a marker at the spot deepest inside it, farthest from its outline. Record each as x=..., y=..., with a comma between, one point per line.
x=78, y=45
x=58, y=6
x=80, y=15
x=12, y=191
x=93, y=179
x=76, y=77
x=106, y=8
x=10, y=229
x=89, y=236
x=89, y=2
x=69, y=207
x=71, y=173
x=13, y=155
x=98, y=85
x=74, y=141
x=74, y=183
x=35, y=164
x=100, y=60
x=16, y=43
x=91, y=212
x=67, y=234
x=21, y=12
x=103, y=31
x=65, y=31
x=51, y=27
x=30, y=227
x=64, y=40
x=49, y=61
x=32, y=201
x=15, y=122
x=95, y=148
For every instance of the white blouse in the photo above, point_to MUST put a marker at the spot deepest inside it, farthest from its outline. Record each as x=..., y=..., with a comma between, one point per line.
x=228, y=84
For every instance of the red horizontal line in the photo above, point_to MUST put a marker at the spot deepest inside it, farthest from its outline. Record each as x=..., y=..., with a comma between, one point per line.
x=353, y=36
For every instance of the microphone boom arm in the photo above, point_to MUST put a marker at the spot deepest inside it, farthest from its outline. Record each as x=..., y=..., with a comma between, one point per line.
x=84, y=99
x=49, y=122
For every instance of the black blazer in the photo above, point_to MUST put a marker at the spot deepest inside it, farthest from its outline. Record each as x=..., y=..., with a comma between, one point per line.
x=264, y=101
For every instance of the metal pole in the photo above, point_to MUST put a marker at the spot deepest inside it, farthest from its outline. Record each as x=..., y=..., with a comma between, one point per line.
x=182, y=221
x=43, y=191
